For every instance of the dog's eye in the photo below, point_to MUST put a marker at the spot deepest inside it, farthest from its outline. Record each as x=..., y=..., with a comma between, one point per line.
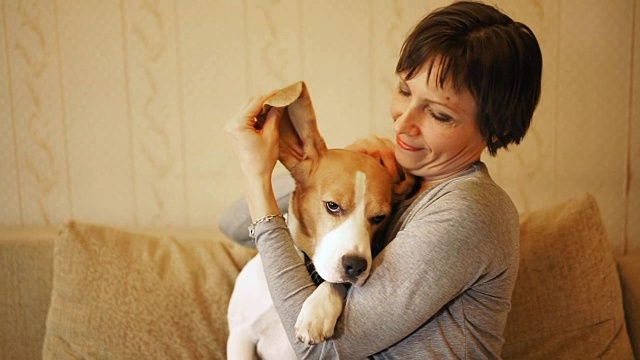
x=377, y=219
x=333, y=208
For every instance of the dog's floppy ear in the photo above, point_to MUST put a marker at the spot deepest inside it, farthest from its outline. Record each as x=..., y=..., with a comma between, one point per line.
x=300, y=140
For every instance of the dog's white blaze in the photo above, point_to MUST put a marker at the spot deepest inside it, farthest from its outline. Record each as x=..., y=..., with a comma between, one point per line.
x=350, y=238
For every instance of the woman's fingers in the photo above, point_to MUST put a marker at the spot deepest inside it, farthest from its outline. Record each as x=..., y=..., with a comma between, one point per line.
x=381, y=149
x=256, y=146
x=388, y=160
x=249, y=111
x=272, y=120
x=388, y=157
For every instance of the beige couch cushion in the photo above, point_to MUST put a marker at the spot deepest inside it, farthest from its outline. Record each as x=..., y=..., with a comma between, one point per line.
x=125, y=295
x=567, y=302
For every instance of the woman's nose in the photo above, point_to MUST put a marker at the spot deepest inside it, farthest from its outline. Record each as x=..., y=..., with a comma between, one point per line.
x=404, y=123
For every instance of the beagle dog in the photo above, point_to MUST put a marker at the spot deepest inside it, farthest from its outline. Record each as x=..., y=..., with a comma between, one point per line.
x=342, y=199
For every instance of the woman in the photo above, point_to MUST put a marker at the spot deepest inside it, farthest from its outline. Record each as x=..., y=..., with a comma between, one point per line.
x=468, y=79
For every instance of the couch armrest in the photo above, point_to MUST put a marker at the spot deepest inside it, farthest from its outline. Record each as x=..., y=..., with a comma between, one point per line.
x=629, y=272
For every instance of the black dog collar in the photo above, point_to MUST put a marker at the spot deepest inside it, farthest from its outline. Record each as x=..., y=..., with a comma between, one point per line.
x=317, y=279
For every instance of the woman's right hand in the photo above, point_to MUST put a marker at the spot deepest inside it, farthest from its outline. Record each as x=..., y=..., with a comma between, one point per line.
x=381, y=149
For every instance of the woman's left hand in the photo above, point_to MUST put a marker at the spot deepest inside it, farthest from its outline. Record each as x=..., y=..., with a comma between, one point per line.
x=256, y=147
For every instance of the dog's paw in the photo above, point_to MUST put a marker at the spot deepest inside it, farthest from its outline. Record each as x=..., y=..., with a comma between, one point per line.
x=315, y=324
x=317, y=319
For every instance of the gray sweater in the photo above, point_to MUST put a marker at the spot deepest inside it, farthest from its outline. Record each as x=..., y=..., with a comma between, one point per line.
x=441, y=289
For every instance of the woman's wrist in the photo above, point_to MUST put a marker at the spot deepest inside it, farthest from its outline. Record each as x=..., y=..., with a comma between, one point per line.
x=260, y=197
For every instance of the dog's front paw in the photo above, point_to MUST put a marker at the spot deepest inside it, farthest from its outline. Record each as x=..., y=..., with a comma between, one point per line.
x=315, y=323
x=317, y=319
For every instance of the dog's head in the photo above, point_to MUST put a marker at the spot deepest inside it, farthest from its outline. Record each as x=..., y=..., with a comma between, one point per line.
x=341, y=198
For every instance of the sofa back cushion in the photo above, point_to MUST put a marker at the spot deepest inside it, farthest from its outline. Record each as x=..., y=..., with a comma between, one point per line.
x=119, y=294
x=567, y=302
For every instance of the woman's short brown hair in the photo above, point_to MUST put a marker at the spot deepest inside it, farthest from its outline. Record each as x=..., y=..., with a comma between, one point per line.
x=483, y=50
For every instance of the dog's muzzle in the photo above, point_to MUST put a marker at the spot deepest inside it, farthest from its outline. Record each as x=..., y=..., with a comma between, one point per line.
x=353, y=267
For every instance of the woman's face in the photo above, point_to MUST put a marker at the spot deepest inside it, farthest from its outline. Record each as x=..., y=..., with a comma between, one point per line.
x=437, y=134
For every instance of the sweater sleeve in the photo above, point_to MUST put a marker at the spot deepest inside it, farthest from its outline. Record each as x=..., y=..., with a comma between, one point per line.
x=235, y=221
x=289, y=283
x=446, y=246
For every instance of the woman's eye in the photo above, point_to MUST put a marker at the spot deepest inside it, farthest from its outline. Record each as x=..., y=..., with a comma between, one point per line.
x=440, y=117
x=333, y=208
x=403, y=92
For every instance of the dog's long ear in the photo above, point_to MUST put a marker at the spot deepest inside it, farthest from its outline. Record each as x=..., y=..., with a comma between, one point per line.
x=300, y=140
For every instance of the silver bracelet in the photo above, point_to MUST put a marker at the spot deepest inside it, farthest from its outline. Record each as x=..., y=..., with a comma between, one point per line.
x=252, y=227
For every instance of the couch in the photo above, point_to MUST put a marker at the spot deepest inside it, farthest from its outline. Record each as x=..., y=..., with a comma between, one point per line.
x=88, y=291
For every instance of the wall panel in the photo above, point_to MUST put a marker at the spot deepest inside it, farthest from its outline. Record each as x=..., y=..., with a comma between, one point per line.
x=211, y=47
x=273, y=44
x=37, y=110
x=592, y=123
x=114, y=112
x=10, y=211
x=337, y=67
x=526, y=171
x=98, y=112
x=156, y=122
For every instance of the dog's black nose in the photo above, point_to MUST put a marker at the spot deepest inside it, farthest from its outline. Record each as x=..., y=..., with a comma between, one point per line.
x=354, y=266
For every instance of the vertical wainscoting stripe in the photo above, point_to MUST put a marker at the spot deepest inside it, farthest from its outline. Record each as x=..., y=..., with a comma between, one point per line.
x=12, y=213
x=63, y=107
x=183, y=125
x=37, y=111
x=127, y=91
x=98, y=127
x=156, y=127
x=212, y=43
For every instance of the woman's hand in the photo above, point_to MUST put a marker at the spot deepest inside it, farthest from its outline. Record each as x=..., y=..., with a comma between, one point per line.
x=256, y=142
x=381, y=149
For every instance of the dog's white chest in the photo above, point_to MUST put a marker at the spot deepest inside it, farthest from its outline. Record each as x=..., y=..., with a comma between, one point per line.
x=253, y=318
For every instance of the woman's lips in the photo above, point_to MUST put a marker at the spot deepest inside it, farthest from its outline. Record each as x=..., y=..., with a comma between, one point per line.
x=404, y=146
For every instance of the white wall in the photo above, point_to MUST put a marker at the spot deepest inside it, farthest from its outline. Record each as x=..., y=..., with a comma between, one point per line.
x=112, y=111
